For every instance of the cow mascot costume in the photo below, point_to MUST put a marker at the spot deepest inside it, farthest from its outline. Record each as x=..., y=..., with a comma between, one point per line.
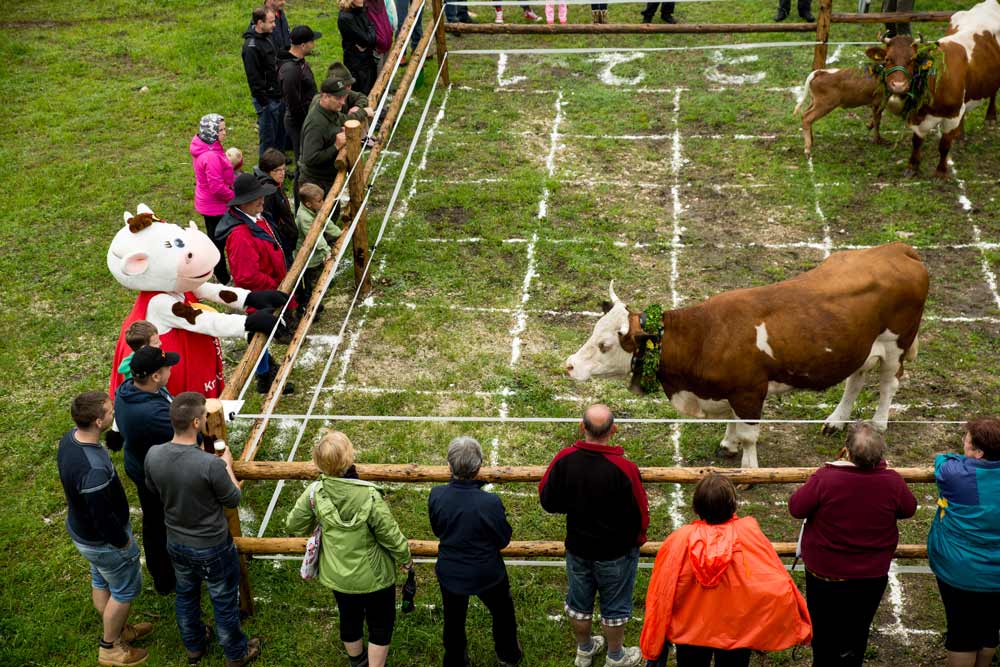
x=169, y=266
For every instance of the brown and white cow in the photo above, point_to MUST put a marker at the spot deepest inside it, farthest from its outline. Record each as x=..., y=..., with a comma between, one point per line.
x=844, y=88
x=723, y=357
x=968, y=75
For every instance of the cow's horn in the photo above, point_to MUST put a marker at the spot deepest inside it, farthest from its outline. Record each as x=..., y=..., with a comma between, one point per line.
x=611, y=293
x=128, y=216
x=886, y=39
x=920, y=39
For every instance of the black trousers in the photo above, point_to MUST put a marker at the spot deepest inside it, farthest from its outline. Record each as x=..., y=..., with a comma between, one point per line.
x=154, y=538
x=377, y=608
x=666, y=9
x=221, y=271
x=804, y=6
x=893, y=29
x=842, y=614
x=701, y=656
x=501, y=607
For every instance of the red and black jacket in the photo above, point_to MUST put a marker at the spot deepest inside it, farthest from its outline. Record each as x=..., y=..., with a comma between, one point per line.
x=601, y=494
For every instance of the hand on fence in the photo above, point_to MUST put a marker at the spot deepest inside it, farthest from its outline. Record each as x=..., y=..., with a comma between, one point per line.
x=341, y=140
x=266, y=298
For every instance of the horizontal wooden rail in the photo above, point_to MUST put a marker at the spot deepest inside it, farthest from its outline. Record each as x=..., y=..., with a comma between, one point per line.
x=892, y=17
x=531, y=548
x=623, y=28
x=420, y=473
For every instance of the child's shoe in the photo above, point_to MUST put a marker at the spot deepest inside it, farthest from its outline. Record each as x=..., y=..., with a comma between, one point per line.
x=499, y=16
x=530, y=15
x=550, y=14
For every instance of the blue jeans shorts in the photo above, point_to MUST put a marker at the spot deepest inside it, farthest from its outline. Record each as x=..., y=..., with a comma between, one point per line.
x=612, y=579
x=113, y=569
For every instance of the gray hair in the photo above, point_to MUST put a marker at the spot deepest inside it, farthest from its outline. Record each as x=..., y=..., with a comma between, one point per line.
x=465, y=456
x=865, y=444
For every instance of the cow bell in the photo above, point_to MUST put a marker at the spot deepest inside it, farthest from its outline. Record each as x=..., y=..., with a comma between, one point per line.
x=895, y=104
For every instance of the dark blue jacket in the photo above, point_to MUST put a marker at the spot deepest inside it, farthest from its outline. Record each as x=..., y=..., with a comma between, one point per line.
x=143, y=419
x=472, y=526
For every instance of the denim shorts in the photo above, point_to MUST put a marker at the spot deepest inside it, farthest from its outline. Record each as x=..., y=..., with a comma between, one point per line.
x=613, y=579
x=114, y=569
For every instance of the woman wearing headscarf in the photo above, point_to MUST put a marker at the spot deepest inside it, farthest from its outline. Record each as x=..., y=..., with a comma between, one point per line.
x=213, y=181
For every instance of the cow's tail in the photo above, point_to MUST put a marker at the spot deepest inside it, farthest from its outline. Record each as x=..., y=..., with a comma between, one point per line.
x=806, y=90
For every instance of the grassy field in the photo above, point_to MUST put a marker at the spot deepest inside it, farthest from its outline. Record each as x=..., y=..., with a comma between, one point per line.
x=536, y=180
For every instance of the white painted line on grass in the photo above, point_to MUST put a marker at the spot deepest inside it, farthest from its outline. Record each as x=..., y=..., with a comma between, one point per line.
x=977, y=236
x=501, y=69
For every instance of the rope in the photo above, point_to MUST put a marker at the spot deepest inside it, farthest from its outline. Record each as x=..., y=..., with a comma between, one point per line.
x=354, y=300
x=372, y=128
x=305, y=418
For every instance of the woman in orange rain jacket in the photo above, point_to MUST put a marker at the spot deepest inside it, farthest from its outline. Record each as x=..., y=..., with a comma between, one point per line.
x=718, y=588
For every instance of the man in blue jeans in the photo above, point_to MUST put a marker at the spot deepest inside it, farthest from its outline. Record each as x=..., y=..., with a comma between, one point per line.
x=607, y=515
x=97, y=520
x=195, y=488
x=260, y=62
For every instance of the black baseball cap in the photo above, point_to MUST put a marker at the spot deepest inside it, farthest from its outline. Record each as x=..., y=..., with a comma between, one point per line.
x=303, y=33
x=147, y=360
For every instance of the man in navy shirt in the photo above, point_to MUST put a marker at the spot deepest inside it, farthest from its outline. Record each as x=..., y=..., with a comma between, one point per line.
x=98, y=523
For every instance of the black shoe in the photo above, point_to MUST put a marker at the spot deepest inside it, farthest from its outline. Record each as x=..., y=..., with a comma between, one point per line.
x=264, y=383
x=669, y=18
x=647, y=19
x=808, y=18
x=467, y=19
x=780, y=16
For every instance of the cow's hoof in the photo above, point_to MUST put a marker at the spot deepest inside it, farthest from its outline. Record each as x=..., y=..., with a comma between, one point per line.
x=991, y=123
x=832, y=428
x=941, y=175
x=879, y=141
x=728, y=454
x=911, y=172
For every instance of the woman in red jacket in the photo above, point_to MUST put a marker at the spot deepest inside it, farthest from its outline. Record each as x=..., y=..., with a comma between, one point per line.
x=851, y=507
x=708, y=609
x=256, y=260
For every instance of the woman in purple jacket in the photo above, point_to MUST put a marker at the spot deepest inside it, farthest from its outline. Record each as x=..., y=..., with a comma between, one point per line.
x=213, y=181
x=851, y=507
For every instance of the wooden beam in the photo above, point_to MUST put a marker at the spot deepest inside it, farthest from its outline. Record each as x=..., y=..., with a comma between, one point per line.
x=519, y=549
x=822, y=34
x=419, y=473
x=356, y=187
x=893, y=17
x=442, y=42
x=621, y=28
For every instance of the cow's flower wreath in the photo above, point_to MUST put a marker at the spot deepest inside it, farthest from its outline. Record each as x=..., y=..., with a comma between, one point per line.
x=652, y=323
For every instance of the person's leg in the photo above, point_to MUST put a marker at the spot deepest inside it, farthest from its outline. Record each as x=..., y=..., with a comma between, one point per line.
x=903, y=6
x=501, y=607
x=352, y=620
x=187, y=600
x=222, y=579
x=380, y=610
x=784, y=6
x=667, y=11
x=221, y=270
x=154, y=536
x=456, y=608
x=649, y=12
x=616, y=581
x=824, y=605
x=580, y=592
x=739, y=657
x=693, y=656
x=863, y=598
x=615, y=634
x=964, y=635
x=805, y=10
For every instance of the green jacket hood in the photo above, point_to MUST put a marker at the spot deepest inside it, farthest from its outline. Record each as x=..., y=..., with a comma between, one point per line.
x=345, y=503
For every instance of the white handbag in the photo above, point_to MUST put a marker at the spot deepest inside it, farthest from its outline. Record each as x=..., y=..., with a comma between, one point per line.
x=310, y=563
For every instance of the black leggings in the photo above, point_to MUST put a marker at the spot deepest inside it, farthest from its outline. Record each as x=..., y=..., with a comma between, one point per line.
x=221, y=272
x=378, y=608
x=842, y=614
x=701, y=656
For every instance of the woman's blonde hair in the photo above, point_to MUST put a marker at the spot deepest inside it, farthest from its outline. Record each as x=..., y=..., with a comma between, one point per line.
x=345, y=4
x=333, y=454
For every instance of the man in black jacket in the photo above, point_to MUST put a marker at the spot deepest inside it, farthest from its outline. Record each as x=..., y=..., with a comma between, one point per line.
x=298, y=85
x=97, y=519
x=280, y=37
x=142, y=414
x=607, y=515
x=260, y=63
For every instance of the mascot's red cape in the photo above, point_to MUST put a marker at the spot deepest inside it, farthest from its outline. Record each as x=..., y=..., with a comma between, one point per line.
x=170, y=265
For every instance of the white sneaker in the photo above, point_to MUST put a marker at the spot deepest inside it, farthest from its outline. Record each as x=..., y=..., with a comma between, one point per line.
x=585, y=658
x=499, y=17
x=632, y=658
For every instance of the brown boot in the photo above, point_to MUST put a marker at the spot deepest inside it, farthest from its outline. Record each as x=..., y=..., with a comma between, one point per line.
x=133, y=631
x=253, y=650
x=604, y=16
x=595, y=16
x=121, y=655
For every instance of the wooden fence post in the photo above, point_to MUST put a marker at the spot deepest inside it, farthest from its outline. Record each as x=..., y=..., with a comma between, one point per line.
x=356, y=187
x=215, y=429
x=822, y=33
x=442, y=44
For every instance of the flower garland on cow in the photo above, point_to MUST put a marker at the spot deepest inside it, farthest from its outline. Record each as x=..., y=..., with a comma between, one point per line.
x=170, y=266
x=646, y=358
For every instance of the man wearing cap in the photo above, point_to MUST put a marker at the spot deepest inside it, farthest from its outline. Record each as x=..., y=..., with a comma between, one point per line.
x=298, y=85
x=142, y=414
x=357, y=102
x=323, y=132
x=256, y=260
x=260, y=64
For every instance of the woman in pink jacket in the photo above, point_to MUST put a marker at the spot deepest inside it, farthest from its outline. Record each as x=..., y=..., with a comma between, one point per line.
x=213, y=181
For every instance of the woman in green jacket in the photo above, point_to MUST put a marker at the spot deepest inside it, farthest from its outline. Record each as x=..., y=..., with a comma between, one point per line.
x=361, y=548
